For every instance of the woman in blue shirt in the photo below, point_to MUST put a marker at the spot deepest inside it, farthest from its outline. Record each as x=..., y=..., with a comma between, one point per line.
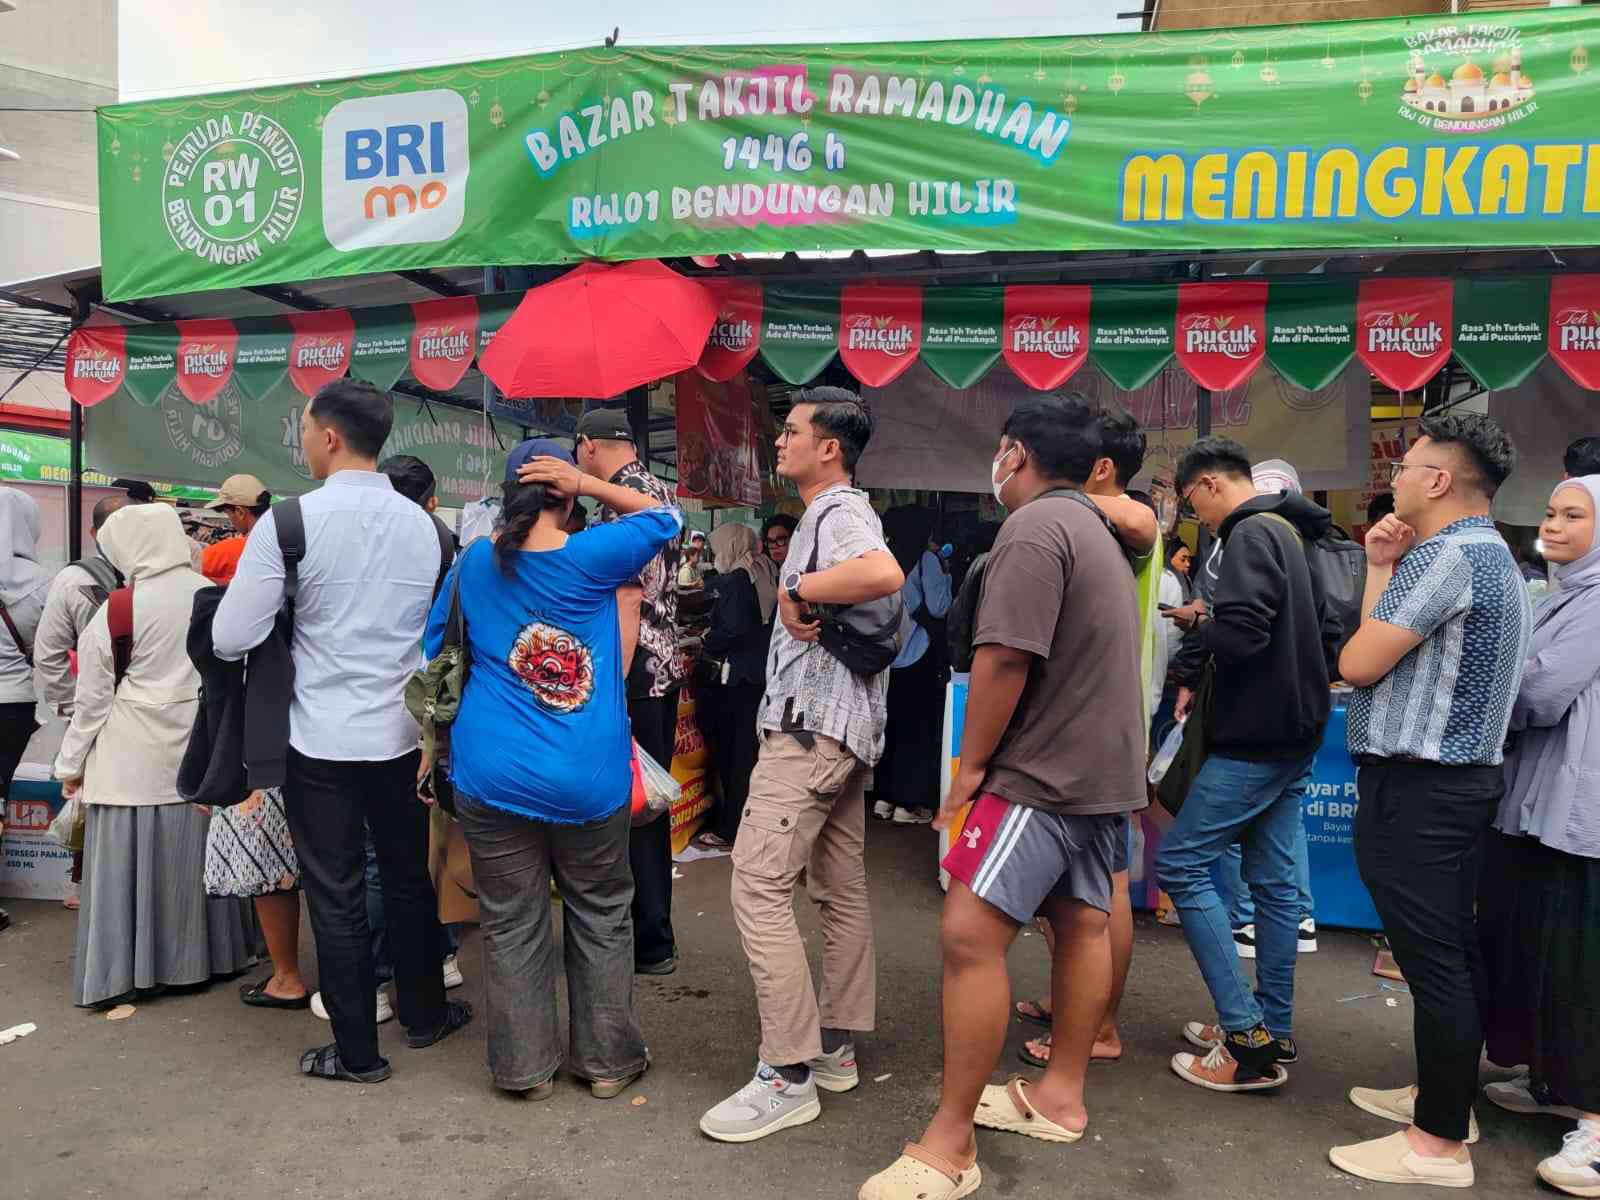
x=540, y=763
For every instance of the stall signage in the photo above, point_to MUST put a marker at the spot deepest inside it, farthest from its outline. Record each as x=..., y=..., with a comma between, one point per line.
x=1440, y=130
x=1046, y=336
x=880, y=331
x=1403, y=329
x=1221, y=332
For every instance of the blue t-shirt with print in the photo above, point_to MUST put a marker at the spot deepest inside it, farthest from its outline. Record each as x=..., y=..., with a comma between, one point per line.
x=543, y=727
x=1449, y=700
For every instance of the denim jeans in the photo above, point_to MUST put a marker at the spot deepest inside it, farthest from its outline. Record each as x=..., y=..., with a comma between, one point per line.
x=513, y=859
x=382, y=960
x=1258, y=805
x=1228, y=875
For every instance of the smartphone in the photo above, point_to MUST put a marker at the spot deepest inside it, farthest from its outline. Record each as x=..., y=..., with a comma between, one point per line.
x=1165, y=607
x=425, y=788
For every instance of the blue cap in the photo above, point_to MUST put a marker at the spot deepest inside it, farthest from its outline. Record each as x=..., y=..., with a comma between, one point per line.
x=535, y=448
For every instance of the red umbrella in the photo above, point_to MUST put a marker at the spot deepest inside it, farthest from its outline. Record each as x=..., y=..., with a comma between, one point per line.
x=599, y=330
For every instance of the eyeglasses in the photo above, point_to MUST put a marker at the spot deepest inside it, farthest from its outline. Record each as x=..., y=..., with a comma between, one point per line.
x=777, y=539
x=1399, y=468
x=793, y=431
x=1186, y=502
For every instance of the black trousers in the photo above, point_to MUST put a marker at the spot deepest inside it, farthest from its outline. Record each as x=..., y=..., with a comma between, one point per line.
x=17, y=728
x=655, y=728
x=1420, y=829
x=727, y=716
x=908, y=776
x=330, y=807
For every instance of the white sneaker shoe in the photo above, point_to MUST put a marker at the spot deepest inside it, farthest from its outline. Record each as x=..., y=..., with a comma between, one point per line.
x=912, y=816
x=1308, y=936
x=452, y=973
x=836, y=1072
x=766, y=1105
x=883, y=810
x=1244, y=941
x=385, y=1009
x=1520, y=1095
x=1575, y=1168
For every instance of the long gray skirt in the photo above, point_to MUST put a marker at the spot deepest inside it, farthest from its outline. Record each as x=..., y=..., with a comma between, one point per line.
x=145, y=920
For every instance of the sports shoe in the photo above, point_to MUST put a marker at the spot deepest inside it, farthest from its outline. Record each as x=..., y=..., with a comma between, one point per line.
x=1522, y=1095
x=452, y=973
x=1392, y=1160
x=912, y=816
x=385, y=1009
x=836, y=1072
x=1219, y=1071
x=768, y=1104
x=1399, y=1104
x=1244, y=941
x=1308, y=936
x=1575, y=1168
x=883, y=810
x=1203, y=1036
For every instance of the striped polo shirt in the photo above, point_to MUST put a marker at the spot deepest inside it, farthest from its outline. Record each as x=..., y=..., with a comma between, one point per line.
x=1449, y=700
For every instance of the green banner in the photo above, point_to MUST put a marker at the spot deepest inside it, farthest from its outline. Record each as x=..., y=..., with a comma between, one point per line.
x=799, y=331
x=38, y=458
x=1311, y=331
x=1131, y=332
x=1501, y=327
x=961, y=332
x=1431, y=130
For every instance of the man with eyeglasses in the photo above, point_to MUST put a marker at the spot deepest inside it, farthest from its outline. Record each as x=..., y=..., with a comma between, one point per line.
x=822, y=731
x=1437, y=663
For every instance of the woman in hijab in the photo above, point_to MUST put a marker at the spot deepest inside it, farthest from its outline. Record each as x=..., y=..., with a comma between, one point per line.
x=145, y=921
x=907, y=788
x=1539, y=896
x=23, y=587
x=733, y=670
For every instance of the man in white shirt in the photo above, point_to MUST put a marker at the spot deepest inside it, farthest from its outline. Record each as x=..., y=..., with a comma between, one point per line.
x=365, y=584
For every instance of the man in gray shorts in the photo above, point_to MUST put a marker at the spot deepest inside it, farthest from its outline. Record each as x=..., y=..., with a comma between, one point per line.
x=1052, y=761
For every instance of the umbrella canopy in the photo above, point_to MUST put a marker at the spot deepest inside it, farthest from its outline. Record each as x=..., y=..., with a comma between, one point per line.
x=599, y=330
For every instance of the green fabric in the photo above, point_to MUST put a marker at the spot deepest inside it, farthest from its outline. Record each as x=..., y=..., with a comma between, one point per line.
x=1147, y=583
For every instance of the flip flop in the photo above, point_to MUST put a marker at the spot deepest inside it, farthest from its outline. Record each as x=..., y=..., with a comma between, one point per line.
x=257, y=996
x=323, y=1062
x=1032, y=1010
x=920, y=1174
x=1042, y=1061
x=1007, y=1109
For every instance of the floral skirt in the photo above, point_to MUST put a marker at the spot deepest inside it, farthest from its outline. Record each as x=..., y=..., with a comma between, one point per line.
x=249, y=851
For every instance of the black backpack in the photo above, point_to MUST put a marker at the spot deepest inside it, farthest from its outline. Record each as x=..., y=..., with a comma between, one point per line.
x=865, y=637
x=1339, y=574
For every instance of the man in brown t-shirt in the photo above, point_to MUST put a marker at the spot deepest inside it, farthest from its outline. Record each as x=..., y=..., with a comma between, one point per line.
x=1052, y=758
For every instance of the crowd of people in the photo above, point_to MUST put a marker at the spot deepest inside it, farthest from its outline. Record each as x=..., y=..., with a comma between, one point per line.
x=242, y=729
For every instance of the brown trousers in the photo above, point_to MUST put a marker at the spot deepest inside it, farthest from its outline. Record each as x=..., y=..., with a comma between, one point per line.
x=806, y=812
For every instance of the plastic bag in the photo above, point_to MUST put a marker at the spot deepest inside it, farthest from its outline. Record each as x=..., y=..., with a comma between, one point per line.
x=67, y=825
x=1162, y=762
x=655, y=791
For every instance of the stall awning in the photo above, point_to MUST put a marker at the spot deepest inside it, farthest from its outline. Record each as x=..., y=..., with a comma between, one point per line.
x=1423, y=131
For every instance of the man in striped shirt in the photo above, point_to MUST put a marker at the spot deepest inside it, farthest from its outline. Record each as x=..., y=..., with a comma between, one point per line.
x=1437, y=663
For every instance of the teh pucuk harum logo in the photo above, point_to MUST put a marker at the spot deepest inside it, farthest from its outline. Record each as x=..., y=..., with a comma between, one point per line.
x=233, y=188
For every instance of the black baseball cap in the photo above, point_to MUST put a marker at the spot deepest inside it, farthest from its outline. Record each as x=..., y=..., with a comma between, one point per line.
x=605, y=424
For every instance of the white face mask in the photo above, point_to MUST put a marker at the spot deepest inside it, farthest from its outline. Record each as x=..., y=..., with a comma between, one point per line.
x=995, y=482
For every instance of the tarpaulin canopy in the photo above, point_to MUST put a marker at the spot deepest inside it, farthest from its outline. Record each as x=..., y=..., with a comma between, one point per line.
x=1470, y=131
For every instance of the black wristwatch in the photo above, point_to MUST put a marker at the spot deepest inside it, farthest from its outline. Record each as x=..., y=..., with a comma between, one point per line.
x=791, y=585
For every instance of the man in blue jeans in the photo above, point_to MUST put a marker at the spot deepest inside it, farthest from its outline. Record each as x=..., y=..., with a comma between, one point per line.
x=1263, y=639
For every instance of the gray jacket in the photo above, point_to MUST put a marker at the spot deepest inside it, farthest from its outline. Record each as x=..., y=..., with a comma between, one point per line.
x=68, y=609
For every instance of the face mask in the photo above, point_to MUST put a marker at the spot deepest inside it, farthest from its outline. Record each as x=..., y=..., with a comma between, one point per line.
x=995, y=482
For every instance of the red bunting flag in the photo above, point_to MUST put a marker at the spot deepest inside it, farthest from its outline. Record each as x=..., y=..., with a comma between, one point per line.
x=1403, y=329
x=207, y=350
x=1575, y=327
x=320, y=351
x=880, y=331
x=1045, y=338
x=97, y=362
x=443, y=341
x=1222, y=332
x=736, y=335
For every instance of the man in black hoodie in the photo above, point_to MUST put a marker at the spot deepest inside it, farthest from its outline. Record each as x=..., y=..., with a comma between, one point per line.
x=1269, y=685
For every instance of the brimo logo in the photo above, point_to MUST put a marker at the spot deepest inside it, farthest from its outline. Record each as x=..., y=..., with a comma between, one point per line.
x=394, y=169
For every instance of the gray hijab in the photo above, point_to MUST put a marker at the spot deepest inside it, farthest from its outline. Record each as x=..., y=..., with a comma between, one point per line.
x=1575, y=586
x=20, y=572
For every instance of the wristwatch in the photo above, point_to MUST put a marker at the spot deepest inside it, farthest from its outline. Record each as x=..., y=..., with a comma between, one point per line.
x=791, y=585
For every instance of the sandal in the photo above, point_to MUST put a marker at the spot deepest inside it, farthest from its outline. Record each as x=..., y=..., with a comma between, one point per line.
x=324, y=1063
x=457, y=1015
x=920, y=1174
x=1007, y=1109
x=257, y=996
x=1043, y=1060
x=605, y=1089
x=1032, y=1010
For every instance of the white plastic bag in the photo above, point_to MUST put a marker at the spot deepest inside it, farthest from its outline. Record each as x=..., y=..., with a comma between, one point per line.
x=655, y=791
x=67, y=825
x=1162, y=762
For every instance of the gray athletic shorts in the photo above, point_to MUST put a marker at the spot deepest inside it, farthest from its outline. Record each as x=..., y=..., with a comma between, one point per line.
x=1122, y=851
x=1015, y=857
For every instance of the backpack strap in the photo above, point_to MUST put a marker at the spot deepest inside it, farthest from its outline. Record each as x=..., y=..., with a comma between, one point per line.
x=1286, y=523
x=447, y=552
x=291, y=525
x=119, y=621
x=106, y=577
x=23, y=647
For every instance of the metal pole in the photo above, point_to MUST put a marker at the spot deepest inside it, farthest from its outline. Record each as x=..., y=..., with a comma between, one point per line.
x=75, y=486
x=639, y=421
x=1202, y=413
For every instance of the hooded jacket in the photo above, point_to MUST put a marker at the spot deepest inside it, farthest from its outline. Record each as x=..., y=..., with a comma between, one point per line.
x=1265, y=634
x=23, y=587
x=126, y=740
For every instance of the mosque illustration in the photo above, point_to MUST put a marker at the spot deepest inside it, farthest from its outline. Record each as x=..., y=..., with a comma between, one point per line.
x=1467, y=92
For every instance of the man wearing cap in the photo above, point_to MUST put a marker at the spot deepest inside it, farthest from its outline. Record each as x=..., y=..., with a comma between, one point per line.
x=648, y=612
x=244, y=500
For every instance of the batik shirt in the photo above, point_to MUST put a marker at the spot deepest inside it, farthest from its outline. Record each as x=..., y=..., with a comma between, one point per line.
x=655, y=672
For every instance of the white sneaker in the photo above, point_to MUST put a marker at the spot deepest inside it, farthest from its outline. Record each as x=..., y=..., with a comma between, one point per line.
x=1575, y=1168
x=883, y=810
x=912, y=816
x=836, y=1072
x=1244, y=941
x=1308, y=936
x=385, y=1009
x=1521, y=1095
x=452, y=973
x=764, y=1106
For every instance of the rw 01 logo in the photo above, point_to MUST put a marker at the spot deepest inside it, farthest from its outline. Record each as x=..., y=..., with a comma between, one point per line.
x=394, y=169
